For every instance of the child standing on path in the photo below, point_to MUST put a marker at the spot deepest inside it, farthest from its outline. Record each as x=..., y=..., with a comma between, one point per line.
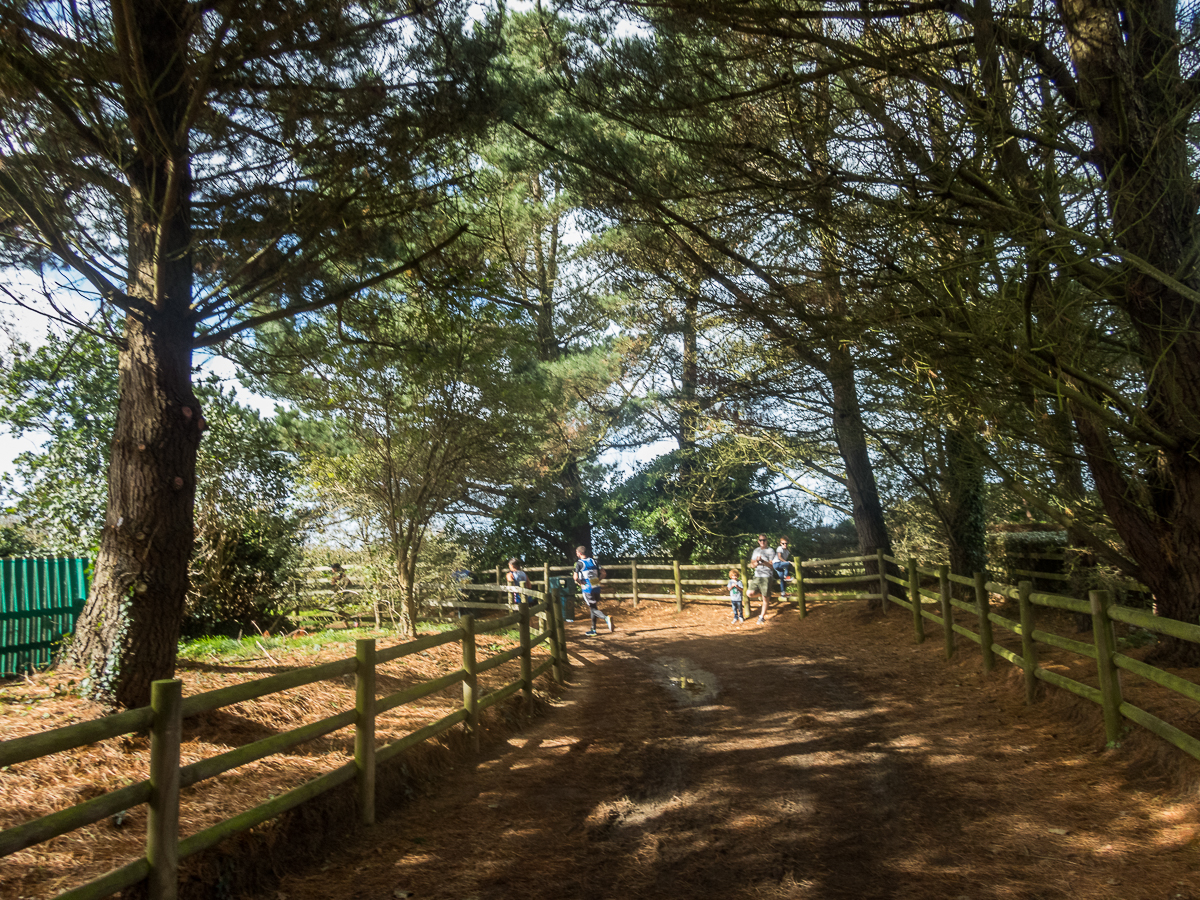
x=588, y=576
x=735, y=595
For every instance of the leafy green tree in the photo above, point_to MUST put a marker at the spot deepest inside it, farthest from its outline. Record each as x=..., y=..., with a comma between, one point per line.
x=14, y=542
x=427, y=396
x=203, y=170
x=542, y=265
x=659, y=139
x=64, y=390
x=708, y=508
x=249, y=528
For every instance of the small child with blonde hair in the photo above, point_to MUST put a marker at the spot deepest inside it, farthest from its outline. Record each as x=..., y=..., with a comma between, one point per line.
x=735, y=594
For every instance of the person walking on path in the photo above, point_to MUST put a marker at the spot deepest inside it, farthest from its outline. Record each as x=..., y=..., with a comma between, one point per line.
x=735, y=595
x=518, y=579
x=762, y=558
x=588, y=575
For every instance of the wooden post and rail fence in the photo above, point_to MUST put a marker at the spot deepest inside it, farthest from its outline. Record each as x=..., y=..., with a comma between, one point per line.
x=159, y=866
x=917, y=592
x=671, y=582
x=926, y=592
x=847, y=578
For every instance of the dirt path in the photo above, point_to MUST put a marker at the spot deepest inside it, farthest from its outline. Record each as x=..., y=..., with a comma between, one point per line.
x=822, y=758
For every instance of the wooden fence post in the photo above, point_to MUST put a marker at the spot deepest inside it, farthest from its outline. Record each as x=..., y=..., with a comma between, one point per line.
x=553, y=608
x=914, y=593
x=162, y=830
x=983, y=603
x=546, y=578
x=947, y=609
x=471, y=681
x=364, y=728
x=562, y=662
x=1110, y=676
x=1028, y=648
x=883, y=582
x=633, y=577
x=800, y=589
x=678, y=588
x=564, y=659
x=498, y=581
x=526, y=659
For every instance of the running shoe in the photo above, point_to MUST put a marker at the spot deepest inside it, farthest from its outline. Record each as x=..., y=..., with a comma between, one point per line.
x=593, y=631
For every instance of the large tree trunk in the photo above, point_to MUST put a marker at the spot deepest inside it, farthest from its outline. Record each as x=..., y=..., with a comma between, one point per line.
x=689, y=411
x=849, y=431
x=851, y=438
x=572, y=495
x=967, y=523
x=1130, y=83
x=574, y=509
x=129, y=630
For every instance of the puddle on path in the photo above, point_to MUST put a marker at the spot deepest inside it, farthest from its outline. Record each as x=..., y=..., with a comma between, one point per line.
x=688, y=682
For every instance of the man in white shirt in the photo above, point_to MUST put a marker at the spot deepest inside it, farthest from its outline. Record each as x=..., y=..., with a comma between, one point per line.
x=760, y=582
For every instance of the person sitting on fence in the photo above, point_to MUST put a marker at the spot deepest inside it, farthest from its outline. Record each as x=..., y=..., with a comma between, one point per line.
x=588, y=576
x=518, y=579
x=735, y=595
x=784, y=570
x=762, y=558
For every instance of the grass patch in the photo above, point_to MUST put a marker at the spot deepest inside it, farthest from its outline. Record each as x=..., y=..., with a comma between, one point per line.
x=205, y=649
x=249, y=646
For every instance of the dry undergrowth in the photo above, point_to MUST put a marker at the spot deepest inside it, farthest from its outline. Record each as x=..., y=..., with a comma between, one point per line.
x=828, y=758
x=46, y=700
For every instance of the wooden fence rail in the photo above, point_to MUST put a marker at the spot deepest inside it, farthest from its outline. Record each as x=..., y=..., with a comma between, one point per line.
x=168, y=708
x=1100, y=607
x=637, y=581
x=620, y=586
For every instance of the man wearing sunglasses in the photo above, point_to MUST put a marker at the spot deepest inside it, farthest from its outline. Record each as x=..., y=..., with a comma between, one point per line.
x=762, y=558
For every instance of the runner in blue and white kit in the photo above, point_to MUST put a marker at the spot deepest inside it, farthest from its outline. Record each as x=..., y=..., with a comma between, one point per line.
x=587, y=576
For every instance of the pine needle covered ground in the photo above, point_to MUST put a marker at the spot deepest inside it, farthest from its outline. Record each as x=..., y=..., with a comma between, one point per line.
x=820, y=758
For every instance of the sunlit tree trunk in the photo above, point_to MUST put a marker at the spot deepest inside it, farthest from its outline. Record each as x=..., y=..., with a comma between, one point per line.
x=129, y=630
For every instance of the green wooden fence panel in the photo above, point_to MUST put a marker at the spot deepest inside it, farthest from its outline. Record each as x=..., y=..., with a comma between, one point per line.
x=40, y=601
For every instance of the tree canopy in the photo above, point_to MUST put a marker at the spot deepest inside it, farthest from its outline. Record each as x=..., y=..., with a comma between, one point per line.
x=872, y=253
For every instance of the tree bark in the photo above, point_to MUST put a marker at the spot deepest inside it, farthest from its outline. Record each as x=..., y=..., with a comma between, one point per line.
x=574, y=510
x=1130, y=84
x=851, y=438
x=128, y=633
x=689, y=410
x=967, y=523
